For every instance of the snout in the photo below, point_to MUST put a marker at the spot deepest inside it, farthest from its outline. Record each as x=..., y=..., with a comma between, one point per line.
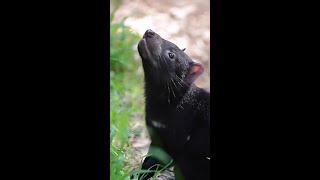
x=149, y=34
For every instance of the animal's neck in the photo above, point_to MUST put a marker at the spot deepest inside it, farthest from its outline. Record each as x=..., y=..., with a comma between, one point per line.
x=165, y=95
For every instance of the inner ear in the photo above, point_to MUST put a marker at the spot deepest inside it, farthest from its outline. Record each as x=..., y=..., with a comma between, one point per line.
x=195, y=70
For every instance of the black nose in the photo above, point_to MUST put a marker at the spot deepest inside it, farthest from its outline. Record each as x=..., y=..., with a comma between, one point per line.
x=149, y=33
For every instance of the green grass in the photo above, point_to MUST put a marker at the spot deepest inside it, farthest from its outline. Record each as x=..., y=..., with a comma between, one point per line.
x=126, y=94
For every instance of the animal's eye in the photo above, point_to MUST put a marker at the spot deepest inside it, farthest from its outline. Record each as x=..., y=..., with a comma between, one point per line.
x=171, y=55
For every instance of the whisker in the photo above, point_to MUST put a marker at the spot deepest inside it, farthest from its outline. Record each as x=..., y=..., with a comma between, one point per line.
x=173, y=93
x=172, y=90
x=175, y=76
x=173, y=83
x=168, y=93
x=179, y=83
x=164, y=61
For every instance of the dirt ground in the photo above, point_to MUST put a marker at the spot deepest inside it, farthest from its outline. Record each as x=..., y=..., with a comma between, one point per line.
x=183, y=22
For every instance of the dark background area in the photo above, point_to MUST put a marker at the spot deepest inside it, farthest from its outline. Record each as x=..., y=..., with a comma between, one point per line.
x=56, y=106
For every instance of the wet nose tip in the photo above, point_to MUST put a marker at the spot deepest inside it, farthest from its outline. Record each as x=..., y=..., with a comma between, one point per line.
x=149, y=33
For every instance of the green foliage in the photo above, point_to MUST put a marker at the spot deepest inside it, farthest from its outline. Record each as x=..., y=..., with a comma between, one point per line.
x=122, y=44
x=125, y=97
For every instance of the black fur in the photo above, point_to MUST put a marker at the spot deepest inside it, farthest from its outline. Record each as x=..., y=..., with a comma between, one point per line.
x=177, y=111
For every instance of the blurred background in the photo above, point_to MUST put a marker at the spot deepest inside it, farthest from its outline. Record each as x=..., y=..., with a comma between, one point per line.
x=183, y=22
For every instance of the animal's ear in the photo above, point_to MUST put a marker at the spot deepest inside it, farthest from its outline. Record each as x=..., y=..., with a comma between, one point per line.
x=183, y=49
x=195, y=70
